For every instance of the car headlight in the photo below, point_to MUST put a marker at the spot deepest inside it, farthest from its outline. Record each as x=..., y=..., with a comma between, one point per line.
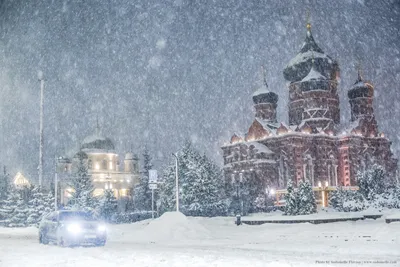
x=74, y=228
x=101, y=228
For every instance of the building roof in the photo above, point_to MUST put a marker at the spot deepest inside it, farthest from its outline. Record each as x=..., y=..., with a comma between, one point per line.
x=20, y=180
x=299, y=67
x=97, y=141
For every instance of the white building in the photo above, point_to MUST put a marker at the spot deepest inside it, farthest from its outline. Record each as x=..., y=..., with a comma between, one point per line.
x=104, y=167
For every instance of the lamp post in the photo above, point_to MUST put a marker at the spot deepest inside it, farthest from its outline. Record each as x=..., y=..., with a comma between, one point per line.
x=269, y=194
x=176, y=182
x=108, y=184
x=55, y=184
x=237, y=183
x=41, y=79
x=324, y=195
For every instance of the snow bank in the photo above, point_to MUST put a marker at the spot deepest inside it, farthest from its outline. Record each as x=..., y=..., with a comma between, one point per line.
x=174, y=226
x=170, y=227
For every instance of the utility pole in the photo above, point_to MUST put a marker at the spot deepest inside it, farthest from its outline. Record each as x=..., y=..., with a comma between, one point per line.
x=176, y=183
x=41, y=79
x=55, y=185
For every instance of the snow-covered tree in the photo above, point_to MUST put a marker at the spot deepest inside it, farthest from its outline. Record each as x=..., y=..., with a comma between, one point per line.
x=371, y=182
x=48, y=202
x=4, y=184
x=306, y=199
x=142, y=192
x=291, y=200
x=19, y=216
x=347, y=200
x=82, y=197
x=108, y=205
x=200, y=185
x=260, y=203
x=36, y=206
x=8, y=206
x=335, y=199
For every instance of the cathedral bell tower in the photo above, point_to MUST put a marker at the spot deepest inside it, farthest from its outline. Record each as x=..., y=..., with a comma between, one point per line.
x=313, y=97
x=265, y=102
x=361, y=96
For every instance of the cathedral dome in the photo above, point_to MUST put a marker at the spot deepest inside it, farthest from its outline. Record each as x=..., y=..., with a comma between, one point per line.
x=97, y=142
x=361, y=88
x=263, y=95
x=299, y=67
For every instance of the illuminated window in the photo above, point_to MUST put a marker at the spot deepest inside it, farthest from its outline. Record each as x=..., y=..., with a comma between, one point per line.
x=98, y=192
x=124, y=192
x=97, y=166
x=111, y=165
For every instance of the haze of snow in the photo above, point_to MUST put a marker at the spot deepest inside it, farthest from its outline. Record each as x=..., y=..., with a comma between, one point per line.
x=159, y=72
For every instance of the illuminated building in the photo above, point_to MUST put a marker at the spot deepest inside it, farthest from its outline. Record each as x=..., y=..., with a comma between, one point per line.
x=314, y=145
x=104, y=168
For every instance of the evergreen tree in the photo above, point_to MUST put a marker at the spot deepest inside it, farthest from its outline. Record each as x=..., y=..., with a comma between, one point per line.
x=336, y=199
x=18, y=217
x=371, y=182
x=4, y=184
x=306, y=199
x=82, y=197
x=36, y=206
x=48, y=203
x=200, y=185
x=347, y=200
x=291, y=200
x=142, y=192
x=202, y=193
x=396, y=197
x=9, y=205
x=108, y=205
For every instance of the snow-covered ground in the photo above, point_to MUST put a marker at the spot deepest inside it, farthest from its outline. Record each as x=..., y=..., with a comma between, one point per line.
x=174, y=240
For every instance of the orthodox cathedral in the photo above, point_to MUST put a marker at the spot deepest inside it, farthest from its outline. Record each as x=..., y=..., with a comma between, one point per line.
x=103, y=167
x=314, y=145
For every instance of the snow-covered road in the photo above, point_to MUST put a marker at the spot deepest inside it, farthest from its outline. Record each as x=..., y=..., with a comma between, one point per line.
x=215, y=242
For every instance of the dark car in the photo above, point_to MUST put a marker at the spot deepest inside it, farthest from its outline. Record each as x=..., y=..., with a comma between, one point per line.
x=72, y=228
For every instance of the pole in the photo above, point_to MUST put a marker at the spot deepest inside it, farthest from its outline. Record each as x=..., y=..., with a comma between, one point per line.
x=41, y=79
x=55, y=191
x=176, y=183
x=152, y=203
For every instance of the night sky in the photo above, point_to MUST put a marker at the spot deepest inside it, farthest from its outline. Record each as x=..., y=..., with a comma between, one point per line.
x=159, y=72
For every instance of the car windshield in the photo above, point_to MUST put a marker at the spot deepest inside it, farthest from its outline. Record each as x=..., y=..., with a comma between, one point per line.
x=82, y=216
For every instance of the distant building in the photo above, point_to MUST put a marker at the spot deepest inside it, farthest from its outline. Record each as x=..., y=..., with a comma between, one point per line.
x=104, y=167
x=20, y=180
x=314, y=145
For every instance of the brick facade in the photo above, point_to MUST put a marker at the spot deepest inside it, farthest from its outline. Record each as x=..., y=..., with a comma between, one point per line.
x=315, y=145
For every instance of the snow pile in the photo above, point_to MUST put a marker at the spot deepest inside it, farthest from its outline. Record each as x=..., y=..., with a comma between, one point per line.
x=313, y=75
x=174, y=226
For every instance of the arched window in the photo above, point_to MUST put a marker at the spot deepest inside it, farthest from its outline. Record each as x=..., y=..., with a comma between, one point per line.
x=104, y=164
x=308, y=169
x=332, y=171
x=284, y=174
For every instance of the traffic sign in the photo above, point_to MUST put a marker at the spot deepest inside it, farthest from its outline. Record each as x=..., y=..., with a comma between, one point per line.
x=153, y=186
x=152, y=176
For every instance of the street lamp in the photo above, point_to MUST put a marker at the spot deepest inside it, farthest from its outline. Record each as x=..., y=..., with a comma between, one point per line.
x=237, y=183
x=55, y=184
x=324, y=193
x=108, y=183
x=176, y=182
x=269, y=193
x=41, y=79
